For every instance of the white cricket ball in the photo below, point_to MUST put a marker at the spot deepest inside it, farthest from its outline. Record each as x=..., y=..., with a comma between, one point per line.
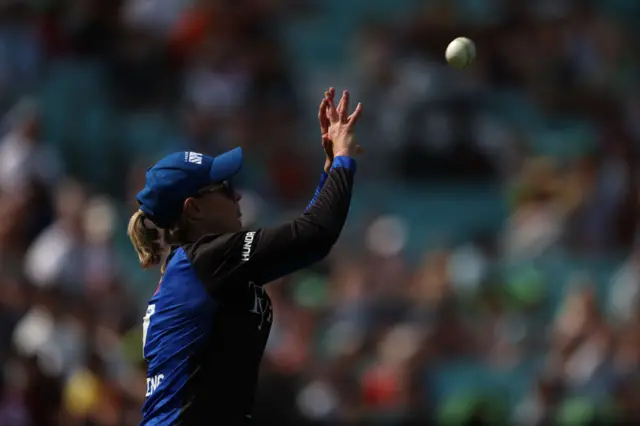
x=460, y=53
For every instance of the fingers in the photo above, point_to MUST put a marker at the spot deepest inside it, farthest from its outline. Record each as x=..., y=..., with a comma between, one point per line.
x=341, y=112
x=353, y=118
x=341, y=104
x=332, y=112
x=343, y=107
x=330, y=94
x=323, y=119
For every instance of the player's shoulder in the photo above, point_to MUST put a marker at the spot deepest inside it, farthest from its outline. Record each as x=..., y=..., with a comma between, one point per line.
x=180, y=281
x=207, y=243
x=220, y=247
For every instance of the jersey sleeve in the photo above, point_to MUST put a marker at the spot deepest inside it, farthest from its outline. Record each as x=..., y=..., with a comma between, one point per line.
x=266, y=254
x=323, y=179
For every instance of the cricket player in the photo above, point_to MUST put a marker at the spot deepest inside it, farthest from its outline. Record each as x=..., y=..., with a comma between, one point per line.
x=207, y=324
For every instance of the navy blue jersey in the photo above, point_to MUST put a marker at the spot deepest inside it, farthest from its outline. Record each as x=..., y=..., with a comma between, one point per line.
x=207, y=325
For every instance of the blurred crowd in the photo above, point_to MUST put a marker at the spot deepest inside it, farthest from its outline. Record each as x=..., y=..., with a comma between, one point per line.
x=490, y=270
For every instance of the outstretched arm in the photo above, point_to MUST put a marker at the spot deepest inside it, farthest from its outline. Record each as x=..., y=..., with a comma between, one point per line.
x=269, y=253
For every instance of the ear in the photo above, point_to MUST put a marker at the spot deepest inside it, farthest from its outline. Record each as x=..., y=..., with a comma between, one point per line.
x=191, y=209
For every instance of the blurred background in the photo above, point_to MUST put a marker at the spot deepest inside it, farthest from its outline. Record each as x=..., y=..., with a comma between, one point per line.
x=490, y=269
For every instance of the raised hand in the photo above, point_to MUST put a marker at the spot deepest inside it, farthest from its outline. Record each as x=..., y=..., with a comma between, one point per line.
x=323, y=119
x=341, y=125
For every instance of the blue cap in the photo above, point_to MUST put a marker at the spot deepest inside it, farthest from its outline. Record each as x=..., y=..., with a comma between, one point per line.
x=179, y=176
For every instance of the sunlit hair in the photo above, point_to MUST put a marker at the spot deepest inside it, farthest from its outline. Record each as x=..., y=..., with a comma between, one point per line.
x=150, y=242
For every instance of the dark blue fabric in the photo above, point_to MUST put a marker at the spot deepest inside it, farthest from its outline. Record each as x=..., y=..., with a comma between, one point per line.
x=323, y=179
x=177, y=325
x=181, y=175
x=346, y=162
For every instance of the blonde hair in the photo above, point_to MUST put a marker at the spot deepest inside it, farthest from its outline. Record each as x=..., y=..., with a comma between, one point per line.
x=146, y=240
x=151, y=242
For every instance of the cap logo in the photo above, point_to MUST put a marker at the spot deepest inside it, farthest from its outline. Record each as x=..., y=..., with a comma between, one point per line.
x=193, y=157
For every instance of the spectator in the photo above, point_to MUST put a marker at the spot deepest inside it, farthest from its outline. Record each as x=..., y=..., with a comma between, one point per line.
x=23, y=156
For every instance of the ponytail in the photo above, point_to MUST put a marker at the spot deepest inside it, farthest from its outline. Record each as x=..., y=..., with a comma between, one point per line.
x=146, y=240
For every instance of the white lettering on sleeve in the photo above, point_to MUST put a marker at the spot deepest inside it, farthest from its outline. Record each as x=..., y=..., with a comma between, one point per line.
x=246, y=247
